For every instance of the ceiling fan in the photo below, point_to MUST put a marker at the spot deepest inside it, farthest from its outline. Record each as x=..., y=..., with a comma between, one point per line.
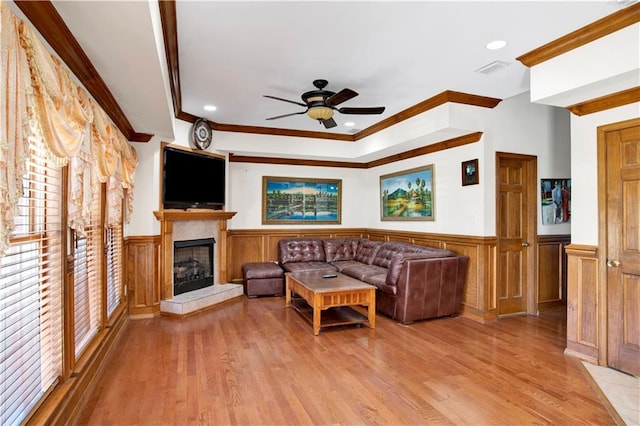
x=321, y=103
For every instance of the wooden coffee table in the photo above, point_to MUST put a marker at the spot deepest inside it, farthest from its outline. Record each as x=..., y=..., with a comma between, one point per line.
x=335, y=296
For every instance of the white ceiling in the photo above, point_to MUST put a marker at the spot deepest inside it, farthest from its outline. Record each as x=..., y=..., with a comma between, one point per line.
x=394, y=54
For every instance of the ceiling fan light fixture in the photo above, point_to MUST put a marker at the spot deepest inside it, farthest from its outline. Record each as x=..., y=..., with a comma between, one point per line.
x=320, y=113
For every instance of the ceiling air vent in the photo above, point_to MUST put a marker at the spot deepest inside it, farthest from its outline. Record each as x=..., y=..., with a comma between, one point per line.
x=492, y=67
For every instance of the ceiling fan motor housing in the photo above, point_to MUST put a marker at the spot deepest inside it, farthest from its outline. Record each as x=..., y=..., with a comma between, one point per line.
x=316, y=95
x=317, y=108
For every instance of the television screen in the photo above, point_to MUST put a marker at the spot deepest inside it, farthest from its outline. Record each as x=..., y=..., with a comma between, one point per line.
x=192, y=180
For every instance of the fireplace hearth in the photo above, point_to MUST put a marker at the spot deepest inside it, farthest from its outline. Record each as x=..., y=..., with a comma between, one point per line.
x=193, y=265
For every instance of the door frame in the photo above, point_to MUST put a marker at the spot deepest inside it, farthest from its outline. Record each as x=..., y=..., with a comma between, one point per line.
x=603, y=221
x=531, y=253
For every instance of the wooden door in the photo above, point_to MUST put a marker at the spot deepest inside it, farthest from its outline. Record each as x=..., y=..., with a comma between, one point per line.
x=515, y=231
x=623, y=248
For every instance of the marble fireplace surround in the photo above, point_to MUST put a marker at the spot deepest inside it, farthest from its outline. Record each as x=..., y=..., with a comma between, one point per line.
x=180, y=225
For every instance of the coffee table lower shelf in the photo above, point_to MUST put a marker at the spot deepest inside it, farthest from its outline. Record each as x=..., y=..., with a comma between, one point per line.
x=340, y=315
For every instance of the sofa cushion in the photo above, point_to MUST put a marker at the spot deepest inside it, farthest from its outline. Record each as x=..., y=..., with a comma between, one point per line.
x=341, y=264
x=300, y=250
x=379, y=281
x=361, y=271
x=338, y=249
x=367, y=250
x=308, y=266
x=261, y=270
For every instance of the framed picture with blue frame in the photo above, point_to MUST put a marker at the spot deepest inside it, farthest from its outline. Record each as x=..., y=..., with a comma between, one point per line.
x=555, y=195
x=287, y=200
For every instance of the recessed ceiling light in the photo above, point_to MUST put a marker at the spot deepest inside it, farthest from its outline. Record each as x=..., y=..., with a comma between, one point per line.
x=349, y=124
x=210, y=108
x=496, y=44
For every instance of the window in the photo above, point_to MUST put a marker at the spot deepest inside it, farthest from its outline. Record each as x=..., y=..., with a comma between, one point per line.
x=55, y=287
x=86, y=285
x=86, y=250
x=114, y=267
x=30, y=293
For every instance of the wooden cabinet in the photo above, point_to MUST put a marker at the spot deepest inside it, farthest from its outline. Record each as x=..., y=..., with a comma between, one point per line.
x=552, y=272
x=142, y=275
x=583, y=311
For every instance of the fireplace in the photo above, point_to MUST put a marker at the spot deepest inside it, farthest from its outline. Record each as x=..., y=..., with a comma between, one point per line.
x=193, y=265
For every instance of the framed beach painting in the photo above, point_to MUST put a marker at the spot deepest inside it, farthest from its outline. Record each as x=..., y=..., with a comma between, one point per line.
x=408, y=195
x=287, y=200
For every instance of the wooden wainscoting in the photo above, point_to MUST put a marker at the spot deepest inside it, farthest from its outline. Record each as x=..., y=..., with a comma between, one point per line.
x=582, y=302
x=142, y=275
x=479, y=300
x=261, y=245
x=552, y=272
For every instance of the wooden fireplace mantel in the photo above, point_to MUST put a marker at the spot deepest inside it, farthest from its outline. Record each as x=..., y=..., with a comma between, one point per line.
x=173, y=215
x=167, y=218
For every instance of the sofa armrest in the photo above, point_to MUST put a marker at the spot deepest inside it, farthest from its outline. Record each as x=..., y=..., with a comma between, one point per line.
x=430, y=288
x=398, y=261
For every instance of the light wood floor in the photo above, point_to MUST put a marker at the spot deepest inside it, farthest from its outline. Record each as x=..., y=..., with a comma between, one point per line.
x=255, y=362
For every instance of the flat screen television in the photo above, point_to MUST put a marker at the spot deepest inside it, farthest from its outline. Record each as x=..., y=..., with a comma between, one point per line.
x=192, y=180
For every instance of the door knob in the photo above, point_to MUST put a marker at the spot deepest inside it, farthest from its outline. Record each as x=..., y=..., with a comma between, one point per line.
x=525, y=244
x=613, y=263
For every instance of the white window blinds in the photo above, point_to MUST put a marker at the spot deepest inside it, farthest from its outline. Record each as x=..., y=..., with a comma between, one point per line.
x=86, y=287
x=114, y=267
x=30, y=293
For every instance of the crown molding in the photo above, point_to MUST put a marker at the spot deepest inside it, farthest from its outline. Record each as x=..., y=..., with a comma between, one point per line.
x=46, y=19
x=169, y=24
x=426, y=105
x=294, y=162
x=170, y=34
x=428, y=149
x=598, y=29
x=606, y=102
x=281, y=132
x=439, y=146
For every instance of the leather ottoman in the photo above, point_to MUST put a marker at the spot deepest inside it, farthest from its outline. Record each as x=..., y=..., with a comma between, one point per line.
x=263, y=279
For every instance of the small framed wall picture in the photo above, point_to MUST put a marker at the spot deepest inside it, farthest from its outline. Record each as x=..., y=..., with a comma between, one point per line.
x=470, y=172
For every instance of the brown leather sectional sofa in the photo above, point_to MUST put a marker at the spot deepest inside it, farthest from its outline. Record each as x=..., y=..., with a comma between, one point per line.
x=413, y=282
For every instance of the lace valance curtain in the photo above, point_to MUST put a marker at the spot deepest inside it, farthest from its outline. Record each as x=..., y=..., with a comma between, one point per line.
x=40, y=100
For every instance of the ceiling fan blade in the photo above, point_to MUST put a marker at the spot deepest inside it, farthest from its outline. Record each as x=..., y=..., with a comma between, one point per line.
x=361, y=111
x=285, y=115
x=285, y=100
x=340, y=97
x=329, y=123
